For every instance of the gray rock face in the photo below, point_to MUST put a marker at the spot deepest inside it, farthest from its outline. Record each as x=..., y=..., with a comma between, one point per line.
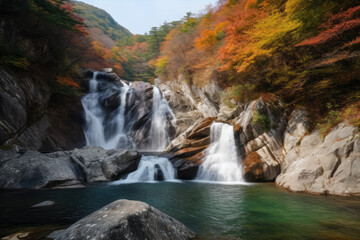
x=260, y=128
x=190, y=102
x=124, y=219
x=90, y=164
x=36, y=170
x=321, y=166
x=31, y=116
x=99, y=164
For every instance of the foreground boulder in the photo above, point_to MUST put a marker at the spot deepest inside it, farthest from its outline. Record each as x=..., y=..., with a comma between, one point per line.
x=33, y=169
x=124, y=219
x=321, y=166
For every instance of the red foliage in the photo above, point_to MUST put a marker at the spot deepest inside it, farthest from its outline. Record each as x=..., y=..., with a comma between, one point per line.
x=335, y=26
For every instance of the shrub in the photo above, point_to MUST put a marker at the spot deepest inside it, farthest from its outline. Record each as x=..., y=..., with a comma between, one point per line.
x=262, y=120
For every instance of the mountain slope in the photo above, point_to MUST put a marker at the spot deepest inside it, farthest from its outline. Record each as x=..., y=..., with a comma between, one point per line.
x=100, y=25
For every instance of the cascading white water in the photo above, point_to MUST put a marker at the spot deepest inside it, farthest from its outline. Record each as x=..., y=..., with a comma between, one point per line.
x=161, y=112
x=151, y=168
x=221, y=161
x=93, y=115
x=97, y=125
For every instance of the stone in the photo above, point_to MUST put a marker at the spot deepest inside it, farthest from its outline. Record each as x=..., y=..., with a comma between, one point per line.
x=190, y=102
x=44, y=204
x=99, y=164
x=261, y=148
x=188, y=149
x=323, y=166
x=65, y=169
x=55, y=234
x=124, y=219
x=36, y=170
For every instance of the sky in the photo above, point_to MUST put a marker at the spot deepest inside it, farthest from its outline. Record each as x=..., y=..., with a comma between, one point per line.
x=139, y=16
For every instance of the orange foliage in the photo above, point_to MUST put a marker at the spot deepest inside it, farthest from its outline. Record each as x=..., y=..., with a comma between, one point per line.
x=237, y=45
x=67, y=81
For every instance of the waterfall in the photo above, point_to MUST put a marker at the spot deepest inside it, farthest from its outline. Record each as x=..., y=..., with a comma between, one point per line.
x=221, y=160
x=150, y=169
x=103, y=129
x=115, y=111
x=161, y=113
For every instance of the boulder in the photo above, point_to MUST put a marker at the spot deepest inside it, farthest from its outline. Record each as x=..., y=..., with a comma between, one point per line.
x=108, y=76
x=99, y=164
x=124, y=219
x=60, y=169
x=44, y=204
x=36, y=170
x=321, y=166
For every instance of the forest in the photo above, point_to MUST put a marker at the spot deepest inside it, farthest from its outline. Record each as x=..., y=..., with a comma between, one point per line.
x=300, y=51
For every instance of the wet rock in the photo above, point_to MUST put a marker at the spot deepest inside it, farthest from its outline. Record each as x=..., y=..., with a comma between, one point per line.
x=108, y=76
x=124, y=219
x=139, y=109
x=159, y=175
x=188, y=149
x=100, y=164
x=321, y=166
x=44, y=204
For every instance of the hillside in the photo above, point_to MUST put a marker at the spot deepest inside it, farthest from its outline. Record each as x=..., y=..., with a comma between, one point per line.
x=300, y=51
x=100, y=25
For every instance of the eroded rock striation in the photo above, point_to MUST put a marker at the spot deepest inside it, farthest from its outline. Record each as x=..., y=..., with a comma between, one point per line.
x=130, y=220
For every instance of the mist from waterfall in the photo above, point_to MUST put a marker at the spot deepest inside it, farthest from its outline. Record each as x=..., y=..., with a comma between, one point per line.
x=151, y=169
x=161, y=112
x=221, y=162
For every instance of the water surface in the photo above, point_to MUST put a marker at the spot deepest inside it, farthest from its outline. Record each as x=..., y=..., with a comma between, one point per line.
x=214, y=211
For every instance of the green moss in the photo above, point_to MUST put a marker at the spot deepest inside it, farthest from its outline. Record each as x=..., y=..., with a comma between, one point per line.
x=262, y=120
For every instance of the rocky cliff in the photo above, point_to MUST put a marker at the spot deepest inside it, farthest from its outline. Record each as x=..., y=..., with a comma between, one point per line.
x=273, y=145
x=33, y=116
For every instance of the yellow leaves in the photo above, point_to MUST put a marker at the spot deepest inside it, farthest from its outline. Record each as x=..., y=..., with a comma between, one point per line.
x=271, y=31
x=160, y=64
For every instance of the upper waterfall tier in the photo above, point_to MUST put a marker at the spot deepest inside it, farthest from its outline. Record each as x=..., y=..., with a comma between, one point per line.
x=221, y=161
x=123, y=116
